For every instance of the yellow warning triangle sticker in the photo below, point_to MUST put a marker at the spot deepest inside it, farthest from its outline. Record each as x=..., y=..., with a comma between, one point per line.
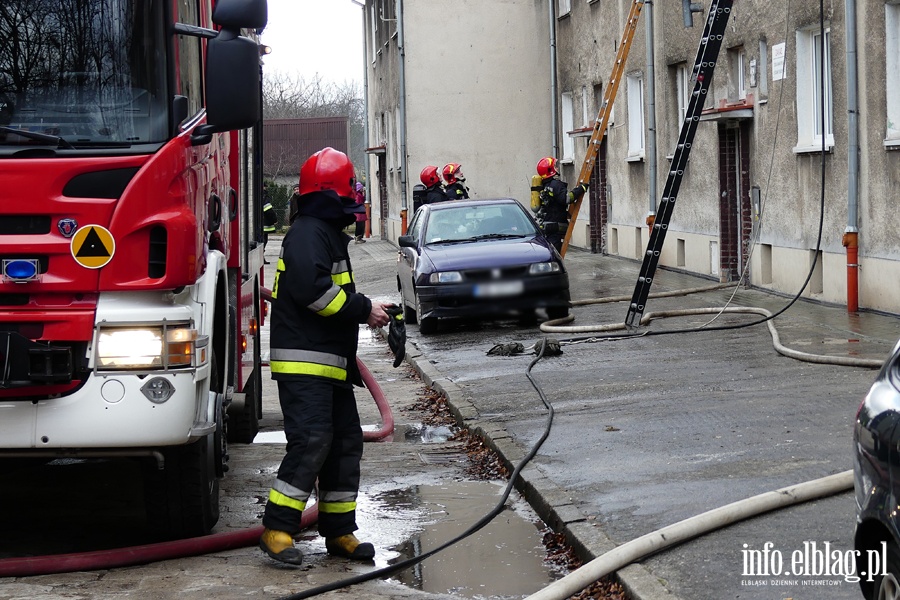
x=93, y=246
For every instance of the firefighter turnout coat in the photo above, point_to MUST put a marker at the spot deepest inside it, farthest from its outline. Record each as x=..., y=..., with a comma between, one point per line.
x=316, y=315
x=316, y=311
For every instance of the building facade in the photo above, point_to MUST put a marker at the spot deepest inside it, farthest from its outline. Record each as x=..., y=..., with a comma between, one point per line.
x=462, y=81
x=793, y=171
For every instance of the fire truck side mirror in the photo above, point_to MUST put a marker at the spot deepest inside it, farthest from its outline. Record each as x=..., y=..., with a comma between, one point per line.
x=232, y=84
x=238, y=14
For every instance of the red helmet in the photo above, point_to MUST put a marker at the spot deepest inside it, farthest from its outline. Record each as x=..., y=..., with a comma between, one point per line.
x=328, y=169
x=546, y=167
x=429, y=176
x=453, y=172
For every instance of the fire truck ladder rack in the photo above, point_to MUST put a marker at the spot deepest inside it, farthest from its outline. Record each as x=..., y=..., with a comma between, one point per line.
x=701, y=77
x=609, y=96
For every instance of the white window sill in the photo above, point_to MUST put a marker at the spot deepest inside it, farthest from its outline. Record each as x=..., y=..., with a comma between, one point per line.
x=892, y=144
x=813, y=148
x=567, y=161
x=635, y=158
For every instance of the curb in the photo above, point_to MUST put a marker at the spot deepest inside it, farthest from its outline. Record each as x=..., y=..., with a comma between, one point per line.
x=549, y=501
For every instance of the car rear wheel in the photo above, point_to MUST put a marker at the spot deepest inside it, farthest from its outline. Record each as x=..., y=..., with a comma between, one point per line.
x=557, y=312
x=887, y=586
x=426, y=325
x=409, y=314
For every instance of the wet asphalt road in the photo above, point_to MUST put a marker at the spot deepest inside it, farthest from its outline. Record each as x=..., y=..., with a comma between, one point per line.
x=653, y=430
x=77, y=506
x=647, y=432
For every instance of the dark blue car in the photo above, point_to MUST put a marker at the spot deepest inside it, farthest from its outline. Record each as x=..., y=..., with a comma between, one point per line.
x=478, y=258
x=876, y=471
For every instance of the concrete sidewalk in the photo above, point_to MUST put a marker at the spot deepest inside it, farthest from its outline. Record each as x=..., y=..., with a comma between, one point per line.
x=652, y=430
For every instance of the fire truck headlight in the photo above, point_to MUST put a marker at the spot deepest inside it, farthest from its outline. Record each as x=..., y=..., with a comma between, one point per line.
x=146, y=347
x=158, y=390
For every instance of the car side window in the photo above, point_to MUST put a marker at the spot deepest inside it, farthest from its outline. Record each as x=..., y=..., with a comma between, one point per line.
x=415, y=226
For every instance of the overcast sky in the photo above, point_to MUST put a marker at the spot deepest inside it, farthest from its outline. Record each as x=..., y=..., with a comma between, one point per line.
x=315, y=36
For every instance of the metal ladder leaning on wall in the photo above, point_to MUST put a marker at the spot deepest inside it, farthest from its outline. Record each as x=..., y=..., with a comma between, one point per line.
x=701, y=77
x=600, y=125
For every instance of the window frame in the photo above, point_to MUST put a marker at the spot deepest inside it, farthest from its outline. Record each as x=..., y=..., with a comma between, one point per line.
x=634, y=88
x=809, y=136
x=567, y=117
x=892, y=73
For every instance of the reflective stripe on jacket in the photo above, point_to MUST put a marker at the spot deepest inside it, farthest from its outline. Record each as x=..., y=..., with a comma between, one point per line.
x=270, y=219
x=316, y=311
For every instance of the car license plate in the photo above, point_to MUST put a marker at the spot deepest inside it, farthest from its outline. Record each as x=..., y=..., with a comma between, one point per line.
x=497, y=289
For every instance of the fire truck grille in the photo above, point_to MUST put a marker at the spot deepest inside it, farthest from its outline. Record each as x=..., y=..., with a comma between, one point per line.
x=24, y=225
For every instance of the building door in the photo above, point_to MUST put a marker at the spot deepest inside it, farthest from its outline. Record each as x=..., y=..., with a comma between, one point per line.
x=734, y=199
x=382, y=195
x=599, y=207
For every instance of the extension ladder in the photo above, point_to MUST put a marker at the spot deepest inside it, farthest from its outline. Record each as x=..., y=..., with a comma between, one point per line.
x=609, y=96
x=701, y=77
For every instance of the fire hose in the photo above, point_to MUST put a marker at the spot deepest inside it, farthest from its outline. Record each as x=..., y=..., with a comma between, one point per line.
x=148, y=553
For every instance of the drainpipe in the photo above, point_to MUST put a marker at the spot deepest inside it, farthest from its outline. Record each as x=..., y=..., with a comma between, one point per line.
x=851, y=234
x=401, y=126
x=554, y=102
x=362, y=5
x=651, y=115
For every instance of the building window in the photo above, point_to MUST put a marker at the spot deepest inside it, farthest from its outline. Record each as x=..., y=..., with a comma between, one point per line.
x=635, y=85
x=812, y=102
x=585, y=114
x=682, y=91
x=568, y=124
x=737, y=85
x=763, y=72
x=598, y=104
x=564, y=7
x=892, y=63
x=373, y=21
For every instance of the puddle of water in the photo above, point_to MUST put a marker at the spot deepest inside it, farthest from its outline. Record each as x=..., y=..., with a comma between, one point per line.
x=426, y=434
x=270, y=437
x=505, y=559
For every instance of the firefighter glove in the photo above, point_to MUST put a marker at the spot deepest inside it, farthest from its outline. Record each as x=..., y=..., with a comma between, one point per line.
x=396, y=334
x=550, y=347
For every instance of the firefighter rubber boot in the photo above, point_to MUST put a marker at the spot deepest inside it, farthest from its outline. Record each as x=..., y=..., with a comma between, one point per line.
x=280, y=546
x=347, y=546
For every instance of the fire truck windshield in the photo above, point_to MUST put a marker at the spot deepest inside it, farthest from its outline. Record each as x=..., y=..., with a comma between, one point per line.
x=91, y=73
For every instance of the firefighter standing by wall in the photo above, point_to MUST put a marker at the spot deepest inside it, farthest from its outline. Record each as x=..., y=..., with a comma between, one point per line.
x=555, y=198
x=455, y=188
x=314, y=333
x=270, y=219
x=430, y=190
x=431, y=179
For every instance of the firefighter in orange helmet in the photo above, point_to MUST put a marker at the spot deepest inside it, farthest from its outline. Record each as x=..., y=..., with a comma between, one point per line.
x=455, y=182
x=555, y=198
x=316, y=313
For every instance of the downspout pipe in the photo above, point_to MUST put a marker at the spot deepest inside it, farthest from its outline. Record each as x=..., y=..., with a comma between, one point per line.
x=366, y=144
x=651, y=115
x=401, y=125
x=851, y=233
x=554, y=85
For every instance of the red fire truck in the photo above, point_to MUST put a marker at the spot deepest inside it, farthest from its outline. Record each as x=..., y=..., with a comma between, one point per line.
x=131, y=240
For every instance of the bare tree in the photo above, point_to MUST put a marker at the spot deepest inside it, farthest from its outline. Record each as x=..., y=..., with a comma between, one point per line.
x=288, y=97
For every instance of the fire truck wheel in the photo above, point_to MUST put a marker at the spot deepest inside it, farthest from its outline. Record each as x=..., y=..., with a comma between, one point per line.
x=243, y=425
x=182, y=500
